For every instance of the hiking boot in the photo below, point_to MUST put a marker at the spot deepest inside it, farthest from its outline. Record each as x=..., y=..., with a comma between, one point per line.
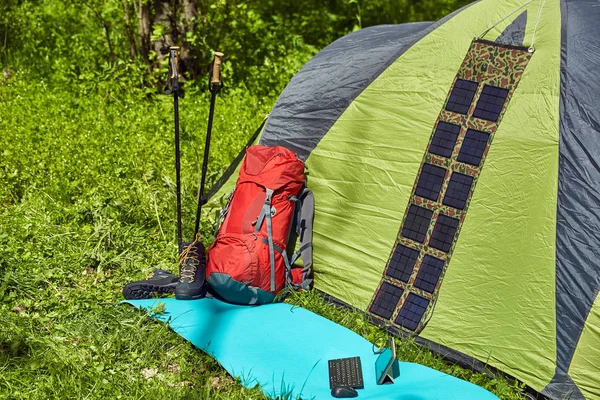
x=192, y=267
x=160, y=282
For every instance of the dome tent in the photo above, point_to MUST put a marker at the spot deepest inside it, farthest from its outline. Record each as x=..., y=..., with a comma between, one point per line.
x=456, y=180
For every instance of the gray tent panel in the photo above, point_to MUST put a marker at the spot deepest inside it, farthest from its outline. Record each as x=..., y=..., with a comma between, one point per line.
x=318, y=94
x=514, y=34
x=578, y=215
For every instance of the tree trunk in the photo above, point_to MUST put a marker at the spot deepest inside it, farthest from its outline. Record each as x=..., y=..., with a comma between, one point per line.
x=129, y=30
x=144, y=30
x=188, y=24
x=175, y=18
x=189, y=10
x=163, y=15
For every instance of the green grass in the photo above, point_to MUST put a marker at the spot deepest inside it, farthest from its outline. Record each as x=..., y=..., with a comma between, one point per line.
x=87, y=204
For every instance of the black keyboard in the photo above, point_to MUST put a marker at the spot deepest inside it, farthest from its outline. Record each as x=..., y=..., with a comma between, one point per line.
x=346, y=372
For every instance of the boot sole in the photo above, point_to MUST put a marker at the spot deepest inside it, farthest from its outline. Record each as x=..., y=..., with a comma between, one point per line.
x=139, y=291
x=184, y=296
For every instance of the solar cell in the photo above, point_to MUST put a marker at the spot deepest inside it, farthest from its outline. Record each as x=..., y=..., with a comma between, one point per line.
x=490, y=103
x=430, y=181
x=443, y=232
x=416, y=223
x=444, y=139
x=402, y=263
x=412, y=311
x=458, y=190
x=461, y=96
x=386, y=300
x=429, y=273
x=473, y=147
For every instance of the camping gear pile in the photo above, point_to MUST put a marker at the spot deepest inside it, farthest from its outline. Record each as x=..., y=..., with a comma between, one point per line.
x=456, y=170
x=252, y=258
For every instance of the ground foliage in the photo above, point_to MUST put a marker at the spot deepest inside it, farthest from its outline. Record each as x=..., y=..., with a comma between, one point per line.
x=87, y=193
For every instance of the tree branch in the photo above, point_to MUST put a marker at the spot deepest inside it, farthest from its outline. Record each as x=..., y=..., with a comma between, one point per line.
x=105, y=25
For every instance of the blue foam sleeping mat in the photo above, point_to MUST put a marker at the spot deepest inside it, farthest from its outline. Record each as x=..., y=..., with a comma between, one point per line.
x=285, y=350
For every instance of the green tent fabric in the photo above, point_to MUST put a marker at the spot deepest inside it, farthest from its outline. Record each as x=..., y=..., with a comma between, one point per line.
x=456, y=178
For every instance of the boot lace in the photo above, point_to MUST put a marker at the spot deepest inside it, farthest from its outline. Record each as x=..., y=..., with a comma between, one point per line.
x=189, y=259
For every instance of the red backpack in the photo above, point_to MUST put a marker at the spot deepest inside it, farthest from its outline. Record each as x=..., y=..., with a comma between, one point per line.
x=248, y=262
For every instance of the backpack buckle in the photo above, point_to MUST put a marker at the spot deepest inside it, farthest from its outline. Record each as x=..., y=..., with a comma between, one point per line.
x=268, y=196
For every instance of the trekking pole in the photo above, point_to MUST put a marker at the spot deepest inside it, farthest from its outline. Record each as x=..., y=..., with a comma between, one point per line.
x=215, y=84
x=173, y=83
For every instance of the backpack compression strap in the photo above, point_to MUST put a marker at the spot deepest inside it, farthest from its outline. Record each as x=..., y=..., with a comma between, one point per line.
x=266, y=214
x=304, y=229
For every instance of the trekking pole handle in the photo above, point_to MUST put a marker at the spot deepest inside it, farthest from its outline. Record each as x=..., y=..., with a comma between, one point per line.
x=216, y=70
x=175, y=61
